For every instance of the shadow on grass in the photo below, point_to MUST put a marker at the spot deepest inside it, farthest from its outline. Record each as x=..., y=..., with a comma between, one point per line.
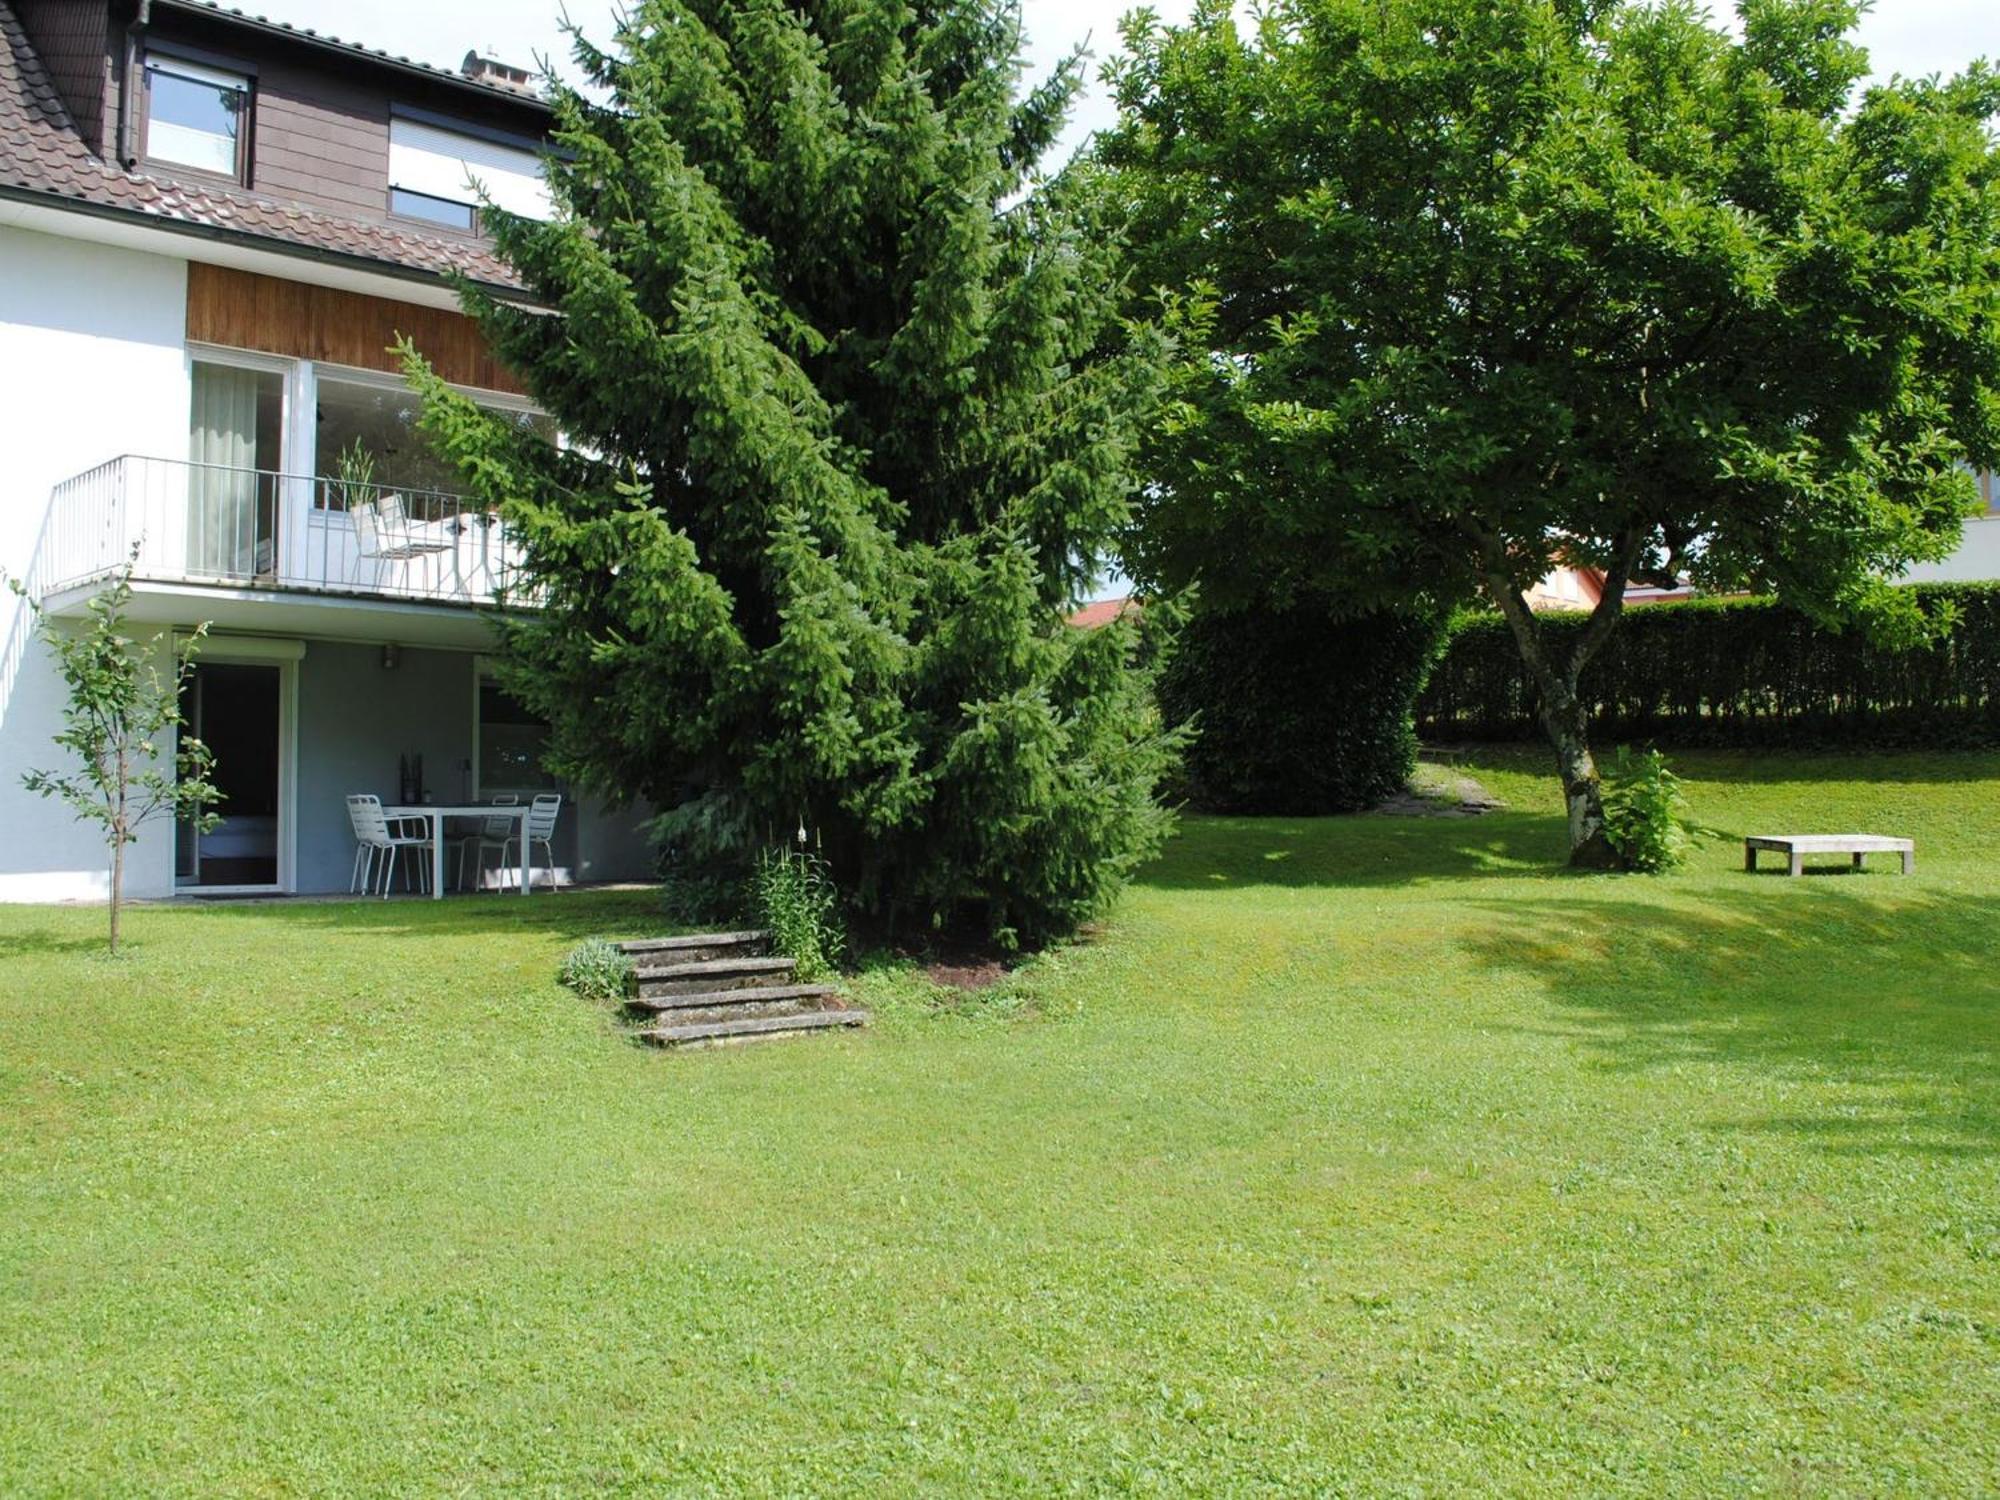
x=1215, y=853
x=1886, y=1008
x=44, y=944
x=568, y=914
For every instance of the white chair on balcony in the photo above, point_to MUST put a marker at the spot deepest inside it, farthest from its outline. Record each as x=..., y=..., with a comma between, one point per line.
x=384, y=535
x=541, y=830
x=375, y=837
x=494, y=833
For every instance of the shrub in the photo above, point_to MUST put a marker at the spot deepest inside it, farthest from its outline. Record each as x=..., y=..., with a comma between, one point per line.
x=1741, y=672
x=1297, y=712
x=596, y=970
x=1646, y=814
x=708, y=896
x=795, y=897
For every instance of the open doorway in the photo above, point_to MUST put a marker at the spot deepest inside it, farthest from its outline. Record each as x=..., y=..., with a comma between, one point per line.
x=235, y=711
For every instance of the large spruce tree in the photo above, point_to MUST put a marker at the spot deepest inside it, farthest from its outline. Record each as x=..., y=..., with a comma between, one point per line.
x=848, y=414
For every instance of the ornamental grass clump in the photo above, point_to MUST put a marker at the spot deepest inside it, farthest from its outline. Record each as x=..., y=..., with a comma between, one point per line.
x=596, y=970
x=797, y=902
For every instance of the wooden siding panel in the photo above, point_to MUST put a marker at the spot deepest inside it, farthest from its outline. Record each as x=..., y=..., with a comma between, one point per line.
x=242, y=310
x=320, y=141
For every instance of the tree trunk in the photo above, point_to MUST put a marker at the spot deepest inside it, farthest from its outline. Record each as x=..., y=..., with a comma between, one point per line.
x=1569, y=733
x=117, y=887
x=1565, y=721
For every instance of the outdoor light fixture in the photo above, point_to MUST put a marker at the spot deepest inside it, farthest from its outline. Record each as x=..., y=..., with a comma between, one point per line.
x=390, y=656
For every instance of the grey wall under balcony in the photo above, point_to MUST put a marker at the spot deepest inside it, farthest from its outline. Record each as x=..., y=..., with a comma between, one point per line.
x=356, y=718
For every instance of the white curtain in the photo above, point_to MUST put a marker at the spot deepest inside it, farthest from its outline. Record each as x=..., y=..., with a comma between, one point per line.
x=222, y=489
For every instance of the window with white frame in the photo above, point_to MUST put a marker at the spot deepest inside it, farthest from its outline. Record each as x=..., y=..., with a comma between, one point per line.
x=196, y=115
x=433, y=169
x=378, y=415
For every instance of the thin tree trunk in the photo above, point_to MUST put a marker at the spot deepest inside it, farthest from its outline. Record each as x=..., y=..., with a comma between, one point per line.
x=118, y=827
x=117, y=886
x=1568, y=729
x=1566, y=723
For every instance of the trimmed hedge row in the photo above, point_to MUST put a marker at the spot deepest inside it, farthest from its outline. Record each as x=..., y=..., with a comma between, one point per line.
x=1297, y=713
x=1738, y=672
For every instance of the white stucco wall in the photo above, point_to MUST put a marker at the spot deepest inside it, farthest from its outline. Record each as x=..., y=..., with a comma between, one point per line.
x=92, y=365
x=1976, y=561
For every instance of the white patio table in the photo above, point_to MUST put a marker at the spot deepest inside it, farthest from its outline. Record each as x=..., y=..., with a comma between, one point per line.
x=435, y=816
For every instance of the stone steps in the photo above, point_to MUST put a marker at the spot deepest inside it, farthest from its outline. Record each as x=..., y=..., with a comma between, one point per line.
x=750, y=1028
x=708, y=989
x=694, y=947
x=711, y=974
x=747, y=995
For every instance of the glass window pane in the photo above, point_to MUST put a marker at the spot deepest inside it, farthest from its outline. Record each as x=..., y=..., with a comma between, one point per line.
x=383, y=420
x=511, y=743
x=193, y=121
x=436, y=210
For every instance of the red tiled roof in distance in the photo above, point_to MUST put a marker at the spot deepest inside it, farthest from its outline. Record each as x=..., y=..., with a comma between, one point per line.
x=1102, y=612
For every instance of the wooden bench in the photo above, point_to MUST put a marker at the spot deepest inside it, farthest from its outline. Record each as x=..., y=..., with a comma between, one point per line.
x=1797, y=846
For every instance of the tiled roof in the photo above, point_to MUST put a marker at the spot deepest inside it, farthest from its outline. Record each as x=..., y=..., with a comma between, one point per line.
x=373, y=54
x=1102, y=612
x=43, y=155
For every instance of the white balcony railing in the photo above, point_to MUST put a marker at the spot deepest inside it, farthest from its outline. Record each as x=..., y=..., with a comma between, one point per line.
x=193, y=523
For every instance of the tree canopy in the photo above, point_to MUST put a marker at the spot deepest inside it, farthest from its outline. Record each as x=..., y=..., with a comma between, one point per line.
x=850, y=413
x=1472, y=289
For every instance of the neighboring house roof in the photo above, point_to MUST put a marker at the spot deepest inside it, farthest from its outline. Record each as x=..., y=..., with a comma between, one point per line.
x=43, y=157
x=1102, y=612
x=331, y=43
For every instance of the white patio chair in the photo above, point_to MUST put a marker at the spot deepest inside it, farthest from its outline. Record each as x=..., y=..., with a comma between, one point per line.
x=493, y=834
x=374, y=837
x=382, y=531
x=541, y=830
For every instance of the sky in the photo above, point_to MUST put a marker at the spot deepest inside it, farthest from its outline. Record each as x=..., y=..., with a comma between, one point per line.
x=1911, y=37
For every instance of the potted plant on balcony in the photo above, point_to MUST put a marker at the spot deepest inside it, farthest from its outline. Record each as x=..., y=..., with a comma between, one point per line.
x=353, y=482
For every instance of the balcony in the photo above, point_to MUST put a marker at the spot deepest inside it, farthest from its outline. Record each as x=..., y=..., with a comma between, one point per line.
x=234, y=545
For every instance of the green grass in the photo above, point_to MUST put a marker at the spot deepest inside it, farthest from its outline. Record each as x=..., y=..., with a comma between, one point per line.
x=1363, y=1156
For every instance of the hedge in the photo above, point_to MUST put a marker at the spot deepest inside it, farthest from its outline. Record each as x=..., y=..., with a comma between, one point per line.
x=1739, y=672
x=1297, y=713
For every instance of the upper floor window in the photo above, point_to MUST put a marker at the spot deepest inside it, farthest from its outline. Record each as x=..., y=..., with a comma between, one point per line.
x=432, y=169
x=196, y=116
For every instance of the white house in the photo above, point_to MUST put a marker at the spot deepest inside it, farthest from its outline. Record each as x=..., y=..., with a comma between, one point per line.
x=212, y=227
x=1977, y=559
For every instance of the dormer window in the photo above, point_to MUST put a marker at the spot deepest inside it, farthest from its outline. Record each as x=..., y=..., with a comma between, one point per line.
x=196, y=116
x=433, y=164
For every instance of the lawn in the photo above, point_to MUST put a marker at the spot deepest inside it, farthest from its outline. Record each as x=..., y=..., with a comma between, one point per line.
x=1360, y=1156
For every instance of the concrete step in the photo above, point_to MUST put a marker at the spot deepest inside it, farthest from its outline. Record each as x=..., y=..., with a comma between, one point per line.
x=651, y=979
x=693, y=947
x=750, y=1028
x=750, y=994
